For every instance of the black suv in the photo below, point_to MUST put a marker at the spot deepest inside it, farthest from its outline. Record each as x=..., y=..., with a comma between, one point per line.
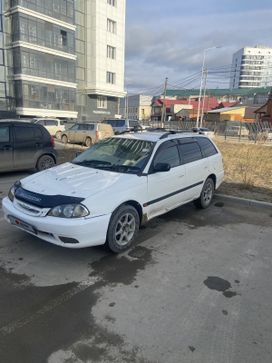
x=25, y=146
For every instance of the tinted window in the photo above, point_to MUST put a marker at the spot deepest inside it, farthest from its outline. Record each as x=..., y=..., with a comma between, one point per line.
x=24, y=133
x=133, y=123
x=38, y=133
x=41, y=122
x=82, y=127
x=4, y=134
x=206, y=146
x=190, y=152
x=90, y=127
x=167, y=153
x=51, y=123
x=120, y=123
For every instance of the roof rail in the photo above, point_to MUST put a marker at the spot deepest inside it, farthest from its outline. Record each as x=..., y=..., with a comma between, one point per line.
x=173, y=132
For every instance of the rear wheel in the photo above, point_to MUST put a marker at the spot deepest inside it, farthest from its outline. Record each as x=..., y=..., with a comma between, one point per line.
x=64, y=139
x=123, y=228
x=206, y=196
x=45, y=162
x=88, y=142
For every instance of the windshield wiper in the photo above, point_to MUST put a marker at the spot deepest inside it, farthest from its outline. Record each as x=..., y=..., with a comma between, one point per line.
x=123, y=168
x=95, y=163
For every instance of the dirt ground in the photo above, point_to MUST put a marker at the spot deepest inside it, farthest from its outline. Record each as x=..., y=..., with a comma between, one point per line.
x=248, y=170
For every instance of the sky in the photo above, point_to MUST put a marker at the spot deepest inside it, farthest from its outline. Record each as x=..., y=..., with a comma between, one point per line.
x=166, y=38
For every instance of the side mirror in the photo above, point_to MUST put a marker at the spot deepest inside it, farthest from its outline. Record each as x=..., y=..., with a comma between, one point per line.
x=162, y=167
x=78, y=153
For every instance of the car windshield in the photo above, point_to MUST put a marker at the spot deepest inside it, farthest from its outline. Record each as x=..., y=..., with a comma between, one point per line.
x=122, y=155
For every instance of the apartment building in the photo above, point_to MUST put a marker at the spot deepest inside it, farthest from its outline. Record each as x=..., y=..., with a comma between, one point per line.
x=251, y=68
x=136, y=107
x=64, y=58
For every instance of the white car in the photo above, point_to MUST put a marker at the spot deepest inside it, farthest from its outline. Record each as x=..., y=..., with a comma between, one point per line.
x=53, y=125
x=108, y=191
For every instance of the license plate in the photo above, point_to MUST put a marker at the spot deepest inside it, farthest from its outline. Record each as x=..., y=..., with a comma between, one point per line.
x=21, y=224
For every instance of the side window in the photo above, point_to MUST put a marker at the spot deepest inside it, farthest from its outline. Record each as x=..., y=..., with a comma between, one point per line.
x=190, y=152
x=74, y=128
x=206, y=146
x=24, y=133
x=51, y=123
x=82, y=127
x=4, y=134
x=41, y=122
x=90, y=127
x=167, y=153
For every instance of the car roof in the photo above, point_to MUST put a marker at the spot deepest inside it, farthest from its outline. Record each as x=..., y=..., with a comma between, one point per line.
x=158, y=135
x=19, y=122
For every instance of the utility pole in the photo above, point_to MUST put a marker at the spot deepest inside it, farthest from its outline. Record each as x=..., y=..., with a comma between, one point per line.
x=204, y=95
x=163, y=114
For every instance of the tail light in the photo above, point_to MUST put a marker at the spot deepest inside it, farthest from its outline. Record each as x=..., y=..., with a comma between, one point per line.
x=52, y=141
x=97, y=135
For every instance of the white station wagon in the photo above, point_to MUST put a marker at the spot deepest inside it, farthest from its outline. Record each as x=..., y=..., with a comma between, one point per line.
x=108, y=191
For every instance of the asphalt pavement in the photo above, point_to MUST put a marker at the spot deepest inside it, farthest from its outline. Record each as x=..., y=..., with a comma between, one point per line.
x=196, y=288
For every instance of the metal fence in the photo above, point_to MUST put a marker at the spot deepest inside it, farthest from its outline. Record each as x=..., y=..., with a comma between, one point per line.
x=229, y=130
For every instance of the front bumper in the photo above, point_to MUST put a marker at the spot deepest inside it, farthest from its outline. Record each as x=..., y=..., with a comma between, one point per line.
x=87, y=231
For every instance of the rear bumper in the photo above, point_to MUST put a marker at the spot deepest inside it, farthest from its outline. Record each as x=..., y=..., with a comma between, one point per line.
x=87, y=231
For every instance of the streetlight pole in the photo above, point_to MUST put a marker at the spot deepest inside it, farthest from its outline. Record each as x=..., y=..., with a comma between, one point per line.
x=204, y=95
x=201, y=84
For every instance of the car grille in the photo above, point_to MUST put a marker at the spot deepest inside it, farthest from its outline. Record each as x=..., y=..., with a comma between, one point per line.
x=30, y=209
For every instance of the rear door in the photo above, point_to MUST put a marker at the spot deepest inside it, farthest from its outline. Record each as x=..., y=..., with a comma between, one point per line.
x=197, y=167
x=26, y=145
x=71, y=133
x=6, y=148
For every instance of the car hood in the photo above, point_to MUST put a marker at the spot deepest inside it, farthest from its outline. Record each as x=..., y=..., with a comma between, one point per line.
x=73, y=180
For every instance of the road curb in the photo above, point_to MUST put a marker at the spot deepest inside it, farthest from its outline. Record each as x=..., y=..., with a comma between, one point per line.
x=243, y=201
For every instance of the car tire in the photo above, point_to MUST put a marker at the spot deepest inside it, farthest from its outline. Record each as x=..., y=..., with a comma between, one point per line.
x=64, y=139
x=58, y=135
x=88, y=142
x=45, y=162
x=123, y=228
x=206, y=196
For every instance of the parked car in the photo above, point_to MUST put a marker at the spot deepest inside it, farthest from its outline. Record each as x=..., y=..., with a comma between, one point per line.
x=121, y=126
x=24, y=145
x=108, y=191
x=203, y=131
x=54, y=126
x=87, y=133
x=237, y=131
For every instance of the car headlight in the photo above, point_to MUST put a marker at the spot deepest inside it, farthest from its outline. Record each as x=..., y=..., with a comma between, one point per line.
x=69, y=211
x=11, y=193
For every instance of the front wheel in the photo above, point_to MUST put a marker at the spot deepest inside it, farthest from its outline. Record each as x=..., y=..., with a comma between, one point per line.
x=123, y=228
x=206, y=196
x=64, y=139
x=58, y=135
x=88, y=142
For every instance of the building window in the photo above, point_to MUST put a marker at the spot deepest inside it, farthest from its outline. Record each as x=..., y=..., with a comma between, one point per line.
x=63, y=34
x=112, y=2
x=111, y=26
x=101, y=102
x=111, y=52
x=111, y=77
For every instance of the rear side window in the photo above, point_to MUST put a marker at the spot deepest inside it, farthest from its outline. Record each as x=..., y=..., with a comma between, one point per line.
x=51, y=123
x=4, y=134
x=207, y=147
x=90, y=127
x=167, y=153
x=190, y=152
x=24, y=133
x=41, y=122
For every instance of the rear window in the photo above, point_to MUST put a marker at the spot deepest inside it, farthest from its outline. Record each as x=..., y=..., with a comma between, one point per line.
x=190, y=152
x=133, y=123
x=116, y=123
x=207, y=147
x=51, y=123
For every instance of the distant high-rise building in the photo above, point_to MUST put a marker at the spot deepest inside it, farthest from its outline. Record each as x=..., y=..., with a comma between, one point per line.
x=251, y=67
x=62, y=58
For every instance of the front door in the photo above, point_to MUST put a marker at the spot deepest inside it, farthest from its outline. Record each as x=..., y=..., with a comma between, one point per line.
x=6, y=148
x=165, y=189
